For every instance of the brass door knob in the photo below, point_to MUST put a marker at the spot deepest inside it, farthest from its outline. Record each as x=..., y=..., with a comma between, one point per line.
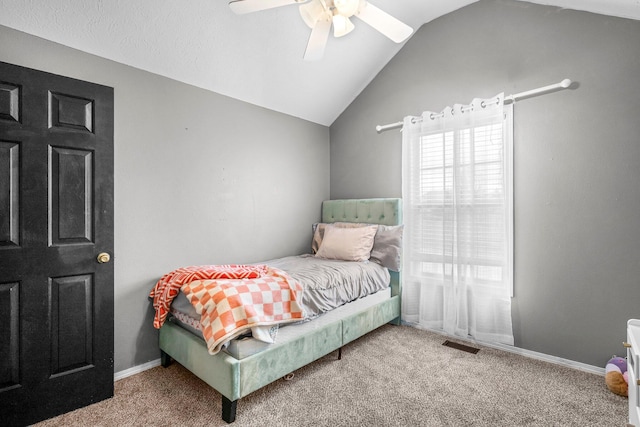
x=104, y=258
x=626, y=345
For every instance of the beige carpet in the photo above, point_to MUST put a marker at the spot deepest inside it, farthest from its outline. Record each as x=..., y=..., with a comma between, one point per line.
x=394, y=376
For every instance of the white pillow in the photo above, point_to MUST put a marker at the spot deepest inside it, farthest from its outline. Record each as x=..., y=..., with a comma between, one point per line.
x=318, y=231
x=347, y=244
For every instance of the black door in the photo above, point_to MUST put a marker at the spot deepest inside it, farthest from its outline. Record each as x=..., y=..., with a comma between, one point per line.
x=56, y=235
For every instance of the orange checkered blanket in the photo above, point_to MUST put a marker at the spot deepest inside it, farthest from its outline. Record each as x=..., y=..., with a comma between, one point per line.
x=231, y=299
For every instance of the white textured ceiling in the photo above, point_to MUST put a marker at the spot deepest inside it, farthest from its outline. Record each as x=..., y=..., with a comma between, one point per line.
x=256, y=58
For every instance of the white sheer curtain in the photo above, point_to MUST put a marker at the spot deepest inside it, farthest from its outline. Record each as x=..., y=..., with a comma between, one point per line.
x=457, y=204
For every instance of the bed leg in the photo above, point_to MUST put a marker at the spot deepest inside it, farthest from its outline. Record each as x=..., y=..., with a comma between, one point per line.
x=165, y=359
x=340, y=353
x=229, y=409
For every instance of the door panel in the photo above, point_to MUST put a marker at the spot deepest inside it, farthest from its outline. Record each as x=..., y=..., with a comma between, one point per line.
x=9, y=352
x=9, y=102
x=70, y=111
x=56, y=207
x=9, y=193
x=71, y=204
x=71, y=323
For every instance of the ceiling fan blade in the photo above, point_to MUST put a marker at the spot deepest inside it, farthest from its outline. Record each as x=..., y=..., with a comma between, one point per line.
x=317, y=40
x=241, y=7
x=391, y=27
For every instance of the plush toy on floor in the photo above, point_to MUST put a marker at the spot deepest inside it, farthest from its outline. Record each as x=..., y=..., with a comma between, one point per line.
x=616, y=376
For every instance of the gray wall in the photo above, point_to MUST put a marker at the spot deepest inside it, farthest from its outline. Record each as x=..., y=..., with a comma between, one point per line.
x=577, y=156
x=200, y=178
x=245, y=193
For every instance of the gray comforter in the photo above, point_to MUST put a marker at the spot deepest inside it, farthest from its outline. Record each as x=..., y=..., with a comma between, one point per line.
x=329, y=283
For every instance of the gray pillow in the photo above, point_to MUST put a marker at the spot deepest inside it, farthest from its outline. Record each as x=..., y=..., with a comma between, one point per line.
x=387, y=246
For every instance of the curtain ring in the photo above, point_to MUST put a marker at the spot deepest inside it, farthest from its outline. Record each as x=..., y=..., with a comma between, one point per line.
x=431, y=116
x=483, y=104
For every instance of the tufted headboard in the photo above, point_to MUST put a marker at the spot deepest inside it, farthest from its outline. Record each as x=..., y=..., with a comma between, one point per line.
x=371, y=211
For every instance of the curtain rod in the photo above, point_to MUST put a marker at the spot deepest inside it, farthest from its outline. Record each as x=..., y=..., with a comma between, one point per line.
x=507, y=100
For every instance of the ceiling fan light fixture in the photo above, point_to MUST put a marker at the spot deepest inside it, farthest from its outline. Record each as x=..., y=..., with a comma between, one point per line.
x=347, y=8
x=341, y=25
x=321, y=15
x=312, y=12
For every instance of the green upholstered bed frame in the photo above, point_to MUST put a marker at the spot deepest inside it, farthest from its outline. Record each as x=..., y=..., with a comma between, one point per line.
x=234, y=378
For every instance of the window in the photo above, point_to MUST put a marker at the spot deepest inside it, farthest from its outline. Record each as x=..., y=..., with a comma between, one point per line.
x=457, y=192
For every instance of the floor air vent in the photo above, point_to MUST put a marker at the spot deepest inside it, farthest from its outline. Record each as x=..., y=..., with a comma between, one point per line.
x=461, y=347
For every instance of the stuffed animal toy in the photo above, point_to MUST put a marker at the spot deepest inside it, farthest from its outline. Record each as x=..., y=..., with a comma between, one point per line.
x=616, y=376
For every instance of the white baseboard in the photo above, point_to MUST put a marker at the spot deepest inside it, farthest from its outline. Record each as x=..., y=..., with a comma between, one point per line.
x=524, y=352
x=135, y=370
x=548, y=358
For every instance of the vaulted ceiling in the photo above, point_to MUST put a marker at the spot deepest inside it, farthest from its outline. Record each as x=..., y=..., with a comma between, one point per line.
x=255, y=57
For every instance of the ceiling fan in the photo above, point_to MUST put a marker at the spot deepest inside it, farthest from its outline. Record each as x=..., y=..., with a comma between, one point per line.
x=320, y=15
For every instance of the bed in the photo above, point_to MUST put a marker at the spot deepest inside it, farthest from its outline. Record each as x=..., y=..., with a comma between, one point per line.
x=235, y=373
